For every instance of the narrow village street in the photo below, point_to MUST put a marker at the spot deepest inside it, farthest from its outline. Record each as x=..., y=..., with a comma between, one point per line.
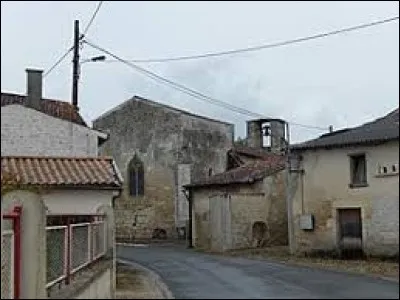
x=194, y=275
x=200, y=150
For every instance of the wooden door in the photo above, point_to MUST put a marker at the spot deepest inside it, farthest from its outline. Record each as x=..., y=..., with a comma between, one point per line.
x=220, y=223
x=350, y=231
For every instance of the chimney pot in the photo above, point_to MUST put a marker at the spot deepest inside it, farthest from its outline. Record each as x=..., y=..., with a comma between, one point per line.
x=34, y=88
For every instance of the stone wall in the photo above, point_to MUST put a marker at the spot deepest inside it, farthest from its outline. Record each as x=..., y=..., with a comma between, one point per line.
x=26, y=131
x=244, y=205
x=163, y=138
x=324, y=188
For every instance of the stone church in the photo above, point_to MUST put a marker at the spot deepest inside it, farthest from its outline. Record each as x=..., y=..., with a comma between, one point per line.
x=159, y=149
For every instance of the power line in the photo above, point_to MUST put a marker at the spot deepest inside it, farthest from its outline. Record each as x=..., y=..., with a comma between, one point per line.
x=267, y=46
x=57, y=62
x=189, y=91
x=70, y=49
x=92, y=19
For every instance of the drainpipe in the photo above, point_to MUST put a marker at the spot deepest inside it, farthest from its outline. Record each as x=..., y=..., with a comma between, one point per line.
x=288, y=192
x=114, y=197
x=114, y=250
x=188, y=195
x=15, y=216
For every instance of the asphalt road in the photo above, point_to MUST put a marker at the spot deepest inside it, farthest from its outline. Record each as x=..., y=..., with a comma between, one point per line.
x=194, y=275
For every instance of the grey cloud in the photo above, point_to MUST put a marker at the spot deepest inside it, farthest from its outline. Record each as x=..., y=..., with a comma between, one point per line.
x=342, y=80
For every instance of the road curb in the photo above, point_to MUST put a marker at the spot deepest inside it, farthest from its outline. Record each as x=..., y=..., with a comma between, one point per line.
x=132, y=244
x=309, y=266
x=157, y=280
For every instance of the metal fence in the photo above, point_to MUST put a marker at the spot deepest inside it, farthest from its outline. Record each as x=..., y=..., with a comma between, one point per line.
x=99, y=242
x=72, y=247
x=7, y=264
x=56, y=253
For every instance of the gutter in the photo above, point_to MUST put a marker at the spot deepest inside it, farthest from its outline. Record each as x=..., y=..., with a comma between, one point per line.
x=119, y=175
x=115, y=197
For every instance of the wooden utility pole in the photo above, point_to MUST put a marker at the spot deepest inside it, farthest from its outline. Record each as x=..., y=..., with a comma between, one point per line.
x=75, y=66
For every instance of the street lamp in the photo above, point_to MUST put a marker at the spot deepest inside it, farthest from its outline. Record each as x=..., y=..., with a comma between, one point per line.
x=94, y=59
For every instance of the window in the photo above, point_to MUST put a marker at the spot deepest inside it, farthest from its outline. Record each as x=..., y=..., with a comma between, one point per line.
x=358, y=170
x=136, y=177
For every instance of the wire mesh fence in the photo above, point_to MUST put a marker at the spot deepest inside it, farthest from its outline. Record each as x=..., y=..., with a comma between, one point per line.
x=98, y=239
x=71, y=247
x=57, y=239
x=7, y=264
x=80, y=245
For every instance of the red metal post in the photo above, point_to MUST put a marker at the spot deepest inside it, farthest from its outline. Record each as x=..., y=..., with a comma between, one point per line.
x=15, y=216
x=17, y=251
x=91, y=237
x=68, y=275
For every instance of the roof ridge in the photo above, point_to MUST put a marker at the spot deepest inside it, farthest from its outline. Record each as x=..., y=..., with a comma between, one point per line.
x=250, y=164
x=43, y=98
x=60, y=109
x=59, y=157
x=158, y=104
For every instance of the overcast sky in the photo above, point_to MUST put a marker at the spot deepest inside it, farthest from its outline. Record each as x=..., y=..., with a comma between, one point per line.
x=342, y=80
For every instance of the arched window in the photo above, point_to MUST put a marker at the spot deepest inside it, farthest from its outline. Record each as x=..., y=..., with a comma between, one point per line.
x=136, y=177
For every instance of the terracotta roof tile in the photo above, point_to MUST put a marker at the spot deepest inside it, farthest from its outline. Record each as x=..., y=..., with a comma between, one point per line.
x=60, y=171
x=55, y=108
x=239, y=152
x=247, y=173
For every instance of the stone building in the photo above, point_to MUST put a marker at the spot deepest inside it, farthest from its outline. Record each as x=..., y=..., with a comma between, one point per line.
x=346, y=190
x=245, y=206
x=159, y=149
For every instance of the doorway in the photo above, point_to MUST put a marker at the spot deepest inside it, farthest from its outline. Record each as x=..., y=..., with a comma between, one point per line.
x=350, y=232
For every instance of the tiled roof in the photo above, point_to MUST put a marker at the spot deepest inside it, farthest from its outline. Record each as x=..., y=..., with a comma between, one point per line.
x=247, y=173
x=258, y=153
x=378, y=131
x=98, y=172
x=55, y=108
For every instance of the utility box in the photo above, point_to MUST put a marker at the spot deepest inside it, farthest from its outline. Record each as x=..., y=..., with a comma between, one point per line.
x=307, y=222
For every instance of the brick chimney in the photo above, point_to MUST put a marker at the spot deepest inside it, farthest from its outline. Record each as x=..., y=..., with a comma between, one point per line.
x=34, y=88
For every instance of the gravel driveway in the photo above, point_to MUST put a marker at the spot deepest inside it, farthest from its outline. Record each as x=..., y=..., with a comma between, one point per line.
x=194, y=275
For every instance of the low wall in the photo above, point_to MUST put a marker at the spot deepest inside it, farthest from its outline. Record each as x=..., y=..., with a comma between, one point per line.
x=95, y=282
x=99, y=288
